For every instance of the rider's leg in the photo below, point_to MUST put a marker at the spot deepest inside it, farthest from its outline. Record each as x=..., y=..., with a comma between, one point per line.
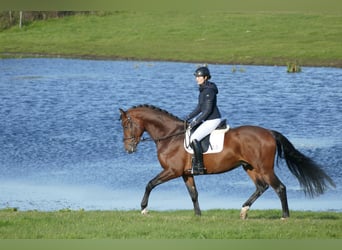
x=197, y=159
x=204, y=129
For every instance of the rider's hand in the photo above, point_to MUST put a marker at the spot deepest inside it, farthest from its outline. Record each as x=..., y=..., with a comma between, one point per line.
x=192, y=124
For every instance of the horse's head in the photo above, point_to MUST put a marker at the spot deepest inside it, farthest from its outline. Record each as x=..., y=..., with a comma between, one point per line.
x=132, y=130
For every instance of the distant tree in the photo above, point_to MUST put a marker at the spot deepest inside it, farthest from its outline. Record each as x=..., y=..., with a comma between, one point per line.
x=20, y=18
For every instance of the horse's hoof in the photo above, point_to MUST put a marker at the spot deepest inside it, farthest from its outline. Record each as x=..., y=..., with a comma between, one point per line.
x=243, y=213
x=144, y=211
x=283, y=218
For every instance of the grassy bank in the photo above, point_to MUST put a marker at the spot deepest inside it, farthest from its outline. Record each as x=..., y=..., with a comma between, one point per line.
x=214, y=224
x=270, y=38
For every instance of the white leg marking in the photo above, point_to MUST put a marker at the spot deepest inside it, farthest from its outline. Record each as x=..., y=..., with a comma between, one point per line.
x=144, y=211
x=243, y=213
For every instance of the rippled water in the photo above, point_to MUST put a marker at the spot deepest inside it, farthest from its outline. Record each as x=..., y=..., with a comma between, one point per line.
x=61, y=141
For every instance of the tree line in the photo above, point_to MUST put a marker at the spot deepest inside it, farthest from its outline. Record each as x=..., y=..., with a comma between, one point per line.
x=12, y=18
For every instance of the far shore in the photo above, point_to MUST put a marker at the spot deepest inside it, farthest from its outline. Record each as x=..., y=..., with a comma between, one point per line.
x=12, y=55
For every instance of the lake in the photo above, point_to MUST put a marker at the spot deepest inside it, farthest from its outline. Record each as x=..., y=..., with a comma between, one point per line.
x=61, y=139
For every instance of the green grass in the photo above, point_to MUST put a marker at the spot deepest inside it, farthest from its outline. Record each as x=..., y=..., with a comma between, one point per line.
x=209, y=36
x=271, y=38
x=213, y=224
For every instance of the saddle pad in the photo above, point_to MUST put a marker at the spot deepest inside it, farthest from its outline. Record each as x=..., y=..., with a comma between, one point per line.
x=216, y=141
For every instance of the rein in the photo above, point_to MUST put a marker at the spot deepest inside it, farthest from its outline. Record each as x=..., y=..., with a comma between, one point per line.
x=166, y=137
x=162, y=138
x=150, y=138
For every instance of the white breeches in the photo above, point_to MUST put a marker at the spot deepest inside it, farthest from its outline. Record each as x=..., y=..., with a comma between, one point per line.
x=205, y=129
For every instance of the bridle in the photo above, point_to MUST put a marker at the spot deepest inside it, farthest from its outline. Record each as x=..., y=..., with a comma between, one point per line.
x=129, y=123
x=135, y=140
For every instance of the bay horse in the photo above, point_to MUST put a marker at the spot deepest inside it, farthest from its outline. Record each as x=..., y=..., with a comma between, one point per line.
x=252, y=147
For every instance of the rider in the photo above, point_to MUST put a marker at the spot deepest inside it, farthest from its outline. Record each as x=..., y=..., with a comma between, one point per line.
x=206, y=115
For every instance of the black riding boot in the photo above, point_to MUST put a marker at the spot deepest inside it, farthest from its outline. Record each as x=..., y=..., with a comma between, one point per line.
x=197, y=159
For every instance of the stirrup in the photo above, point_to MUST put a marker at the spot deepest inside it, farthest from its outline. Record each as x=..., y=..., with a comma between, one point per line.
x=198, y=171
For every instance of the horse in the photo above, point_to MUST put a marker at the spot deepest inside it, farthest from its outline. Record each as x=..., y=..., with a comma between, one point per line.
x=252, y=147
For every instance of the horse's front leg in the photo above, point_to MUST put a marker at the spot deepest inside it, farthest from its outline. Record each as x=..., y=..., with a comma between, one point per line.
x=151, y=184
x=159, y=179
x=190, y=184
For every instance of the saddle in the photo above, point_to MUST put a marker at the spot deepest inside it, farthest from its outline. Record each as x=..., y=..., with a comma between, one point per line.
x=212, y=143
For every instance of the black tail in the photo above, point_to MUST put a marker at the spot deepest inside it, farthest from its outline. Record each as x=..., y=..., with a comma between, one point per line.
x=311, y=176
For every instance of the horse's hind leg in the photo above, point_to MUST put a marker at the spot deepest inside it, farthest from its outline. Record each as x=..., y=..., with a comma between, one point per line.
x=190, y=184
x=261, y=187
x=280, y=189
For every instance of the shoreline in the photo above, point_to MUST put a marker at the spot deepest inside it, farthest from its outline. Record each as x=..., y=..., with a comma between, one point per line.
x=280, y=62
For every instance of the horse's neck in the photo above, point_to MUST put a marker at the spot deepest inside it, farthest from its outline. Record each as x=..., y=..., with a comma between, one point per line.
x=158, y=128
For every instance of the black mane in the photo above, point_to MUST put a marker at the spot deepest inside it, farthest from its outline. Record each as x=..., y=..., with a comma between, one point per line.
x=157, y=109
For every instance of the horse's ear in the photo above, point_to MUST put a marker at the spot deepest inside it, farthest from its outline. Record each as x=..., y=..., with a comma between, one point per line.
x=122, y=113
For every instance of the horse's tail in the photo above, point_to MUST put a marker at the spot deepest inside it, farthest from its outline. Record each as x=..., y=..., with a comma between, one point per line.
x=310, y=175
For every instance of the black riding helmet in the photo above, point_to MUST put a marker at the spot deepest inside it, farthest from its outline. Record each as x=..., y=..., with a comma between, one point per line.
x=202, y=71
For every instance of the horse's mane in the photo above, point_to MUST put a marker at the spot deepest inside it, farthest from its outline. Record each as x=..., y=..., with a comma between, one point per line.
x=157, y=109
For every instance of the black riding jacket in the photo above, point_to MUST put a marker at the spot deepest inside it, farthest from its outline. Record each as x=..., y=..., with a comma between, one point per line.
x=206, y=108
